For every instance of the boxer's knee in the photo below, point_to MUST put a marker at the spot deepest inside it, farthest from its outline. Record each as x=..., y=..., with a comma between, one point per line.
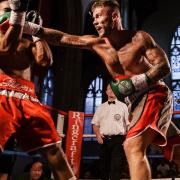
x=55, y=156
x=128, y=147
x=53, y=150
x=133, y=147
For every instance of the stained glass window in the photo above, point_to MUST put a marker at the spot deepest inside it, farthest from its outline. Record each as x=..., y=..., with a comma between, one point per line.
x=48, y=88
x=175, y=68
x=93, y=100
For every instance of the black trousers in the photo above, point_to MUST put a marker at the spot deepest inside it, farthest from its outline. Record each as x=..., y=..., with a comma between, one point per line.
x=112, y=157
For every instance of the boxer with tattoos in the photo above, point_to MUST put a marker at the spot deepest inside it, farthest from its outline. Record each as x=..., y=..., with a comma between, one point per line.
x=137, y=65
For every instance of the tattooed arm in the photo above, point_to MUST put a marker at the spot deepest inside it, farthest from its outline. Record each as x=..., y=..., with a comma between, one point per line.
x=59, y=38
x=160, y=64
x=156, y=57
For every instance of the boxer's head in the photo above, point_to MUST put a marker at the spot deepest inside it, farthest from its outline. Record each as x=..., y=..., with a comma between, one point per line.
x=106, y=16
x=100, y=3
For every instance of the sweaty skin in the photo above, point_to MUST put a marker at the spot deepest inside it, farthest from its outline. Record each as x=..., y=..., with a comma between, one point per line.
x=18, y=57
x=137, y=54
x=123, y=53
x=18, y=54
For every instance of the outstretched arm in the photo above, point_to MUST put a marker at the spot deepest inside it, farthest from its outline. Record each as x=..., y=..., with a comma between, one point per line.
x=59, y=38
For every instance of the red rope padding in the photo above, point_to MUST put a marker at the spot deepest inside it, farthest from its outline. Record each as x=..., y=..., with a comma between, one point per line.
x=88, y=115
x=55, y=109
x=176, y=112
x=62, y=112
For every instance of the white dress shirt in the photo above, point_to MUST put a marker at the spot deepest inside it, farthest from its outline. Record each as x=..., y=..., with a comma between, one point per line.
x=111, y=119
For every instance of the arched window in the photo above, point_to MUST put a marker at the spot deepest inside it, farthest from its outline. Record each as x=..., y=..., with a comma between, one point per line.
x=48, y=88
x=93, y=100
x=175, y=66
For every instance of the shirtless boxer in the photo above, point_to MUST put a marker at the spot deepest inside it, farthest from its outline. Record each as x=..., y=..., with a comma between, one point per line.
x=137, y=64
x=22, y=114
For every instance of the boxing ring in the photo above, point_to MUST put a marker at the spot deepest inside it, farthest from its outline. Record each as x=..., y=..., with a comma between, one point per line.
x=70, y=126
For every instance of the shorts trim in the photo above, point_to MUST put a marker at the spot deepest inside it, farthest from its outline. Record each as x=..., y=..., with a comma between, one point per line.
x=132, y=137
x=19, y=95
x=162, y=144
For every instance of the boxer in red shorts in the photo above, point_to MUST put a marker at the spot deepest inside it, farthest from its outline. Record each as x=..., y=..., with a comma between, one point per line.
x=21, y=113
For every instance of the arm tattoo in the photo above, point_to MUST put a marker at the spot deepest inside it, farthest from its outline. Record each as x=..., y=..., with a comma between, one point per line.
x=159, y=71
x=59, y=38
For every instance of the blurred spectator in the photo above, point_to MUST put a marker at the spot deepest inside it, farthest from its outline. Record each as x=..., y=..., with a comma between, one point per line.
x=173, y=169
x=34, y=171
x=163, y=168
x=87, y=174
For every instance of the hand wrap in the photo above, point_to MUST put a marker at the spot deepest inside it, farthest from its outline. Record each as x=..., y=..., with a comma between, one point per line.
x=19, y=5
x=34, y=17
x=31, y=28
x=18, y=13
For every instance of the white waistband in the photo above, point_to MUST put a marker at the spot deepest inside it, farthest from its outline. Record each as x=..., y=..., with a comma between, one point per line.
x=18, y=95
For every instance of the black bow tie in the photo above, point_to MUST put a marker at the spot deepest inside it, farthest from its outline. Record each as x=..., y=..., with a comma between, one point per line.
x=111, y=102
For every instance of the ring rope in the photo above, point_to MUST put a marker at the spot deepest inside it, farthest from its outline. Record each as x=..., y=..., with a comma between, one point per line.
x=85, y=115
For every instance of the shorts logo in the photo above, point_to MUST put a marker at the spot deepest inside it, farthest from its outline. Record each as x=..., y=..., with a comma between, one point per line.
x=11, y=83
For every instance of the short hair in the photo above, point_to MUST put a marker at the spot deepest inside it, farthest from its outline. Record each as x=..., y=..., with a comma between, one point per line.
x=111, y=3
x=3, y=0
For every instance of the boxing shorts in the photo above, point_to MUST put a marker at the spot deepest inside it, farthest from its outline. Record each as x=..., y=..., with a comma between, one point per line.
x=23, y=115
x=151, y=108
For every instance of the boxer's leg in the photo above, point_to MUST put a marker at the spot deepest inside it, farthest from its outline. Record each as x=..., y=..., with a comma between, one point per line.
x=135, y=149
x=57, y=160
